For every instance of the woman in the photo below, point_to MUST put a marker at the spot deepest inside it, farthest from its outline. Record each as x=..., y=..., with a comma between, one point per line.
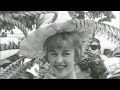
x=61, y=49
x=60, y=43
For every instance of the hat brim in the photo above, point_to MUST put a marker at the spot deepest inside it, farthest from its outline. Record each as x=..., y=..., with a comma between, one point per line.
x=32, y=45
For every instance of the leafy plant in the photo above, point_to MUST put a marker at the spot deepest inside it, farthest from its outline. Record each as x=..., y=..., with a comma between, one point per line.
x=100, y=15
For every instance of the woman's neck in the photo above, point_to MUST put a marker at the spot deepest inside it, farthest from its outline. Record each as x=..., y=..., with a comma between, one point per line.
x=72, y=75
x=51, y=75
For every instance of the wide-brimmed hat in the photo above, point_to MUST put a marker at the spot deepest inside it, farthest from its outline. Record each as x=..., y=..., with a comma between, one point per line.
x=32, y=45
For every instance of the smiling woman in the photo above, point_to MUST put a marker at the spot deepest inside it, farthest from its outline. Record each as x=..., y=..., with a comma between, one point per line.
x=61, y=55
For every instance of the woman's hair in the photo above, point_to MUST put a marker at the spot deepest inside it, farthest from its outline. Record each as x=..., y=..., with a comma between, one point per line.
x=64, y=39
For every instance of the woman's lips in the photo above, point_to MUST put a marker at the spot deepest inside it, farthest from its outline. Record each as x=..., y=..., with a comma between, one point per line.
x=60, y=67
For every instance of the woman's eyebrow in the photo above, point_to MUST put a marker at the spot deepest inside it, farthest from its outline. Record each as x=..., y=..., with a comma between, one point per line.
x=52, y=51
x=66, y=51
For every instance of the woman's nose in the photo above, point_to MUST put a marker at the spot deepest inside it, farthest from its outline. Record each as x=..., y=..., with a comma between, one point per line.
x=59, y=59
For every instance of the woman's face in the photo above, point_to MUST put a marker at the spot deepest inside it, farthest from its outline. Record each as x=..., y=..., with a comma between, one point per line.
x=62, y=61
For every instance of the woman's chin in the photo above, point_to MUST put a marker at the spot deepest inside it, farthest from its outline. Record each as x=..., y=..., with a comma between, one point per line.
x=60, y=74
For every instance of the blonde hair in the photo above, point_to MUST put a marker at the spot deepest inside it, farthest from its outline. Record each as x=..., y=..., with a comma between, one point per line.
x=58, y=40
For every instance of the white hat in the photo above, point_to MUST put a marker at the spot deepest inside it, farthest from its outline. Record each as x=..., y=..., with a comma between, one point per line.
x=32, y=45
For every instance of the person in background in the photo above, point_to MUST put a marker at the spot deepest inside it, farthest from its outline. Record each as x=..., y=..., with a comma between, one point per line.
x=93, y=61
x=113, y=64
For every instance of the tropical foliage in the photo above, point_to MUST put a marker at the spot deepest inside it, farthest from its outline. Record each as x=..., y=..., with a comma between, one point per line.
x=30, y=20
x=100, y=15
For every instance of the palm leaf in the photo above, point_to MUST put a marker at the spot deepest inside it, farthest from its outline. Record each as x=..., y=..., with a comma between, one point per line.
x=15, y=68
x=112, y=33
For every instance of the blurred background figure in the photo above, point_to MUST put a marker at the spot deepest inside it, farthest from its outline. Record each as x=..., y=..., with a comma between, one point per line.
x=92, y=61
x=116, y=73
x=97, y=70
x=112, y=62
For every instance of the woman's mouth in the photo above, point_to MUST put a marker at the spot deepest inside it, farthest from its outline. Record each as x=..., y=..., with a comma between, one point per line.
x=60, y=67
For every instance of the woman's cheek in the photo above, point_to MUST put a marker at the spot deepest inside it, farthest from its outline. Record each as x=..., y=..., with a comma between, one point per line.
x=51, y=60
x=70, y=61
x=71, y=58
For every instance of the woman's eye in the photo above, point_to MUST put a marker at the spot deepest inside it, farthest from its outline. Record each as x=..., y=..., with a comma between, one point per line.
x=66, y=54
x=54, y=54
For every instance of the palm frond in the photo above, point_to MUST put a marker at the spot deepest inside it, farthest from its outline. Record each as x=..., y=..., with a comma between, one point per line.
x=112, y=33
x=15, y=68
